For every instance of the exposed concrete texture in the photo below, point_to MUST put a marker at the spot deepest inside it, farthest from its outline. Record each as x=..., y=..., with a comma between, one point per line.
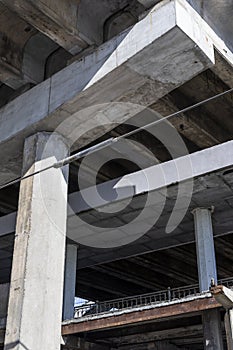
x=163, y=345
x=205, y=248
x=142, y=64
x=206, y=272
x=73, y=342
x=35, y=54
x=11, y=48
x=212, y=330
x=223, y=295
x=35, y=302
x=217, y=13
x=56, y=19
x=157, y=337
x=69, y=281
x=219, y=157
x=148, y=3
x=229, y=328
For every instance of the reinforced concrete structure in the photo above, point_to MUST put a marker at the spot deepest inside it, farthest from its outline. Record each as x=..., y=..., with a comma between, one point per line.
x=129, y=247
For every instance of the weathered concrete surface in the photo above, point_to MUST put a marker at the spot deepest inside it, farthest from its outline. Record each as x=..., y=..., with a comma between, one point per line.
x=207, y=271
x=148, y=3
x=158, y=336
x=219, y=157
x=69, y=281
x=212, y=330
x=73, y=343
x=229, y=328
x=35, y=302
x=223, y=295
x=206, y=260
x=58, y=21
x=11, y=48
x=217, y=13
x=164, y=345
x=118, y=190
x=144, y=63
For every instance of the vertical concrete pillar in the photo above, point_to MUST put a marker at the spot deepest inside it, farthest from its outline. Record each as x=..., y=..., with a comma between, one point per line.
x=206, y=271
x=229, y=328
x=212, y=330
x=36, y=291
x=70, y=281
x=205, y=248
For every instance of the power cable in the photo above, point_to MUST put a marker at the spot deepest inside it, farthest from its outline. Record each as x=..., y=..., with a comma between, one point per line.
x=112, y=140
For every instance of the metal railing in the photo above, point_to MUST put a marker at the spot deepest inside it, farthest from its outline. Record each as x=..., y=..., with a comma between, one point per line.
x=167, y=295
x=227, y=282
x=164, y=296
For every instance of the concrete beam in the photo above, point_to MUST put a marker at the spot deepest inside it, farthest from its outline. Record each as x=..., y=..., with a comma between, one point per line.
x=148, y=3
x=223, y=69
x=194, y=127
x=73, y=342
x=133, y=67
x=56, y=20
x=223, y=295
x=152, y=345
x=219, y=157
x=175, y=171
x=133, y=317
x=36, y=289
x=160, y=335
x=22, y=59
x=132, y=278
x=11, y=48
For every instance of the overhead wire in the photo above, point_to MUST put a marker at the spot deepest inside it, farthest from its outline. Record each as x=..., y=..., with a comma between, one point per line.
x=108, y=142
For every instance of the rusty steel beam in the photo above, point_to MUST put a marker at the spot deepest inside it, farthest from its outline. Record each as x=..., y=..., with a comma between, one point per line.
x=155, y=314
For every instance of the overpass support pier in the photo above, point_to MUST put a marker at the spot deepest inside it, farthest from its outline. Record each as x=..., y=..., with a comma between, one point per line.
x=36, y=289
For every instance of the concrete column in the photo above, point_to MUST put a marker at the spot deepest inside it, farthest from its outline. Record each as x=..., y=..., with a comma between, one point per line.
x=212, y=330
x=70, y=281
x=206, y=271
x=229, y=328
x=36, y=291
x=205, y=248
